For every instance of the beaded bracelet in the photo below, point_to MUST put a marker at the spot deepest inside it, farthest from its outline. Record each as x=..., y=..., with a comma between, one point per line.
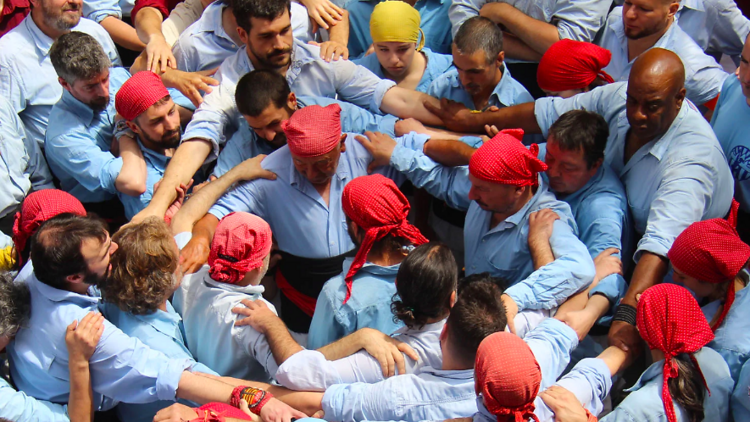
x=625, y=313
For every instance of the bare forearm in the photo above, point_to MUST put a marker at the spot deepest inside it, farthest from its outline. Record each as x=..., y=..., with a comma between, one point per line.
x=405, y=103
x=340, y=31
x=615, y=359
x=148, y=24
x=535, y=34
x=281, y=342
x=132, y=178
x=342, y=348
x=541, y=253
x=449, y=153
x=519, y=116
x=306, y=402
x=122, y=33
x=515, y=48
x=81, y=401
x=199, y=204
x=188, y=158
x=650, y=271
x=202, y=389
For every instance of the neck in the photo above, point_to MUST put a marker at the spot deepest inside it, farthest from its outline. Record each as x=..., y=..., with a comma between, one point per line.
x=450, y=363
x=482, y=98
x=499, y=217
x=38, y=18
x=229, y=23
x=657, y=355
x=385, y=258
x=163, y=306
x=637, y=47
x=257, y=65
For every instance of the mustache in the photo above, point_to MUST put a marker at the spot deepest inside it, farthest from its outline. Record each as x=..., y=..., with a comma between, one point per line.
x=71, y=7
x=280, y=52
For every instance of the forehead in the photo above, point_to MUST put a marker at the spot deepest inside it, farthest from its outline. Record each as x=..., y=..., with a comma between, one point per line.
x=158, y=110
x=91, y=248
x=393, y=44
x=553, y=148
x=647, y=87
x=267, y=116
x=99, y=78
x=463, y=61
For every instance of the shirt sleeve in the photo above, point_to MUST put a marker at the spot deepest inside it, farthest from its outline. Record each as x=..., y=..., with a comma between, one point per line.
x=704, y=82
x=580, y=20
x=256, y=346
x=731, y=28
x=325, y=327
x=551, y=342
x=12, y=87
x=98, y=10
x=551, y=285
x=309, y=370
x=78, y=155
x=599, y=100
x=361, y=401
x=18, y=407
x=358, y=120
x=461, y=10
x=37, y=169
x=358, y=85
x=241, y=198
x=590, y=381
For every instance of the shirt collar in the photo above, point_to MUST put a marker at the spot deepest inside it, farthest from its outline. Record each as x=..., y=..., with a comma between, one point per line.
x=503, y=92
x=157, y=161
x=213, y=20
x=656, y=369
x=58, y=295
x=660, y=145
x=372, y=268
x=79, y=109
x=249, y=290
x=41, y=40
x=166, y=323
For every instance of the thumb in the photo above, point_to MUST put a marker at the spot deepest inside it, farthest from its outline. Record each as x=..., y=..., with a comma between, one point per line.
x=244, y=408
x=611, y=251
x=266, y=174
x=313, y=43
x=73, y=325
x=209, y=72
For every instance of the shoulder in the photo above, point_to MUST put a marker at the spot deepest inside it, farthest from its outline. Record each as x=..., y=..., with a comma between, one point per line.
x=16, y=41
x=92, y=28
x=444, y=82
x=439, y=62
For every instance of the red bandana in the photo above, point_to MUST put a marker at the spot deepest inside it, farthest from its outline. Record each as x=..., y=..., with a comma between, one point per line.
x=241, y=243
x=313, y=130
x=504, y=159
x=570, y=64
x=139, y=93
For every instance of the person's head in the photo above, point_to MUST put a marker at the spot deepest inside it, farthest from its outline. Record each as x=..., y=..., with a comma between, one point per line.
x=70, y=252
x=396, y=36
x=570, y=67
x=265, y=27
x=315, y=142
x=37, y=208
x=642, y=18
x=240, y=250
x=145, y=267
x=376, y=212
x=482, y=277
x=15, y=308
x=478, y=312
x=478, y=54
x=743, y=73
x=707, y=258
x=507, y=375
x=674, y=327
x=575, y=150
x=265, y=101
x=656, y=89
x=503, y=173
x=59, y=15
x=425, y=285
x=149, y=111
x=82, y=68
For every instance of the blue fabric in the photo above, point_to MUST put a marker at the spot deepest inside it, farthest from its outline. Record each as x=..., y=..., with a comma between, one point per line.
x=673, y=181
x=245, y=143
x=22, y=165
x=437, y=64
x=703, y=76
x=373, y=288
x=160, y=331
x=434, y=24
x=122, y=368
x=78, y=143
x=507, y=92
x=644, y=403
x=18, y=407
x=27, y=78
x=731, y=345
x=218, y=118
x=730, y=122
x=98, y=10
x=741, y=396
x=156, y=165
x=715, y=25
x=504, y=251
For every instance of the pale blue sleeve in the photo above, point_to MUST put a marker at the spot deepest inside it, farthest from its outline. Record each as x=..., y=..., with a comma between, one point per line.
x=239, y=198
x=580, y=20
x=551, y=342
x=589, y=381
x=741, y=395
x=361, y=401
x=357, y=85
x=16, y=406
x=599, y=100
x=309, y=370
x=98, y=10
x=358, y=120
x=325, y=327
x=461, y=10
x=551, y=285
x=234, y=152
x=256, y=347
x=78, y=155
x=731, y=28
x=450, y=184
x=38, y=171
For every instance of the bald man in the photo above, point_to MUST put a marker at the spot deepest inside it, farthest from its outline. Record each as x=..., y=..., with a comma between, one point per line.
x=665, y=153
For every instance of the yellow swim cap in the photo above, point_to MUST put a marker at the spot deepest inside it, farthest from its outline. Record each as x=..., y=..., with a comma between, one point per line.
x=396, y=21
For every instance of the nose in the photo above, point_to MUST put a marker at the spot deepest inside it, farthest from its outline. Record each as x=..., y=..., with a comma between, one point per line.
x=553, y=170
x=472, y=194
x=269, y=135
x=629, y=13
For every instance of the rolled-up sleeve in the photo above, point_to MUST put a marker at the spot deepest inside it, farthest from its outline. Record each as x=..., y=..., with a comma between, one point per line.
x=78, y=155
x=580, y=20
x=551, y=342
x=18, y=407
x=589, y=381
x=309, y=370
x=98, y=10
x=361, y=401
x=606, y=101
x=358, y=120
x=461, y=10
x=358, y=85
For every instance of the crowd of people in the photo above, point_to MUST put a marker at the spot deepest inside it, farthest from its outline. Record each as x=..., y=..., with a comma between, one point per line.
x=349, y=210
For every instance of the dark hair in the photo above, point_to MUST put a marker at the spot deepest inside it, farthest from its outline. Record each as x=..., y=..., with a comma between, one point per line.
x=687, y=389
x=581, y=130
x=78, y=56
x=56, y=247
x=15, y=305
x=479, y=34
x=478, y=312
x=258, y=89
x=244, y=10
x=425, y=282
x=474, y=278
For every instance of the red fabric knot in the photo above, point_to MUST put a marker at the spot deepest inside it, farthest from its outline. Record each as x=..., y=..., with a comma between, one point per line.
x=711, y=251
x=313, y=130
x=241, y=243
x=376, y=205
x=504, y=159
x=670, y=320
x=570, y=64
x=39, y=207
x=139, y=93
x=225, y=410
x=507, y=376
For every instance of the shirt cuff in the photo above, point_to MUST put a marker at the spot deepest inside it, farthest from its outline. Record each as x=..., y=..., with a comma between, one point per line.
x=472, y=141
x=403, y=155
x=388, y=125
x=169, y=378
x=522, y=294
x=334, y=401
x=377, y=97
x=205, y=134
x=295, y=372
x=109, y=173
x=650, y=245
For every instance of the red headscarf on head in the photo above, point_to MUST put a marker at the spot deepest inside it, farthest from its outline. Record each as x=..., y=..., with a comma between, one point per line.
x=570, y=64
x=507, y=375
x=139, y=93
x=711, y=251
x=313, y=130
x=670, y=320
x=376, y=205
x=39, y=207
x=504, y=159
x=240, y=244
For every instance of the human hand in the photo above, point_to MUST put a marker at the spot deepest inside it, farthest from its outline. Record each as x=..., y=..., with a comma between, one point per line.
x=274, y=411
x=332, y=50
x=257, y=315
x=251, y=169
x=565, y=404
x=626, y=337
x=388, y=351
x=194, y=254
x=540, y=225
x=491, y=130
x=511, y=310
x=580, y=321
x=177, y=203
x=607, y=264
x=323, y=12
x=405, y=126
x=159, y=55
x=190, y=83
x=176, y=413
x=370, y=50
x=380, y=146
x=455, y=116
x=82, y=337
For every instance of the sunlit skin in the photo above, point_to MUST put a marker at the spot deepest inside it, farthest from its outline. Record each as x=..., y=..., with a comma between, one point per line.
x=643, y=18
x=567, y=170
x=267, y=124
x=478, y=77
x=96, y=254
x=93, y=92
x=401, y=62
x=494, y=197
x=269, y=43
x=55, y=17
x=158, y=127
x=320, y=169
x=743, y=73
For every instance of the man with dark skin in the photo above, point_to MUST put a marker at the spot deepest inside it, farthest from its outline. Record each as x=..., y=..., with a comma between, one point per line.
x=667, y=157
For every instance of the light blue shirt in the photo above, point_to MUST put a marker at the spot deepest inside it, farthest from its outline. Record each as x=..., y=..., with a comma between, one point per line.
x=644, y=403
x=98, y=10
x=672, y=181
x=703, y=76
x=245, y=143
x=218, y=118
x=205, y=44
x=22, y=165
x=731, y=123
x=741, y=395
x=78, y=144
x=122, y=368
x=18, y=407
x=433, y=21
x=27, y=78
x=206, y=309
x=437, y=64
x=730, y=339
x=715, y=25
x=160, y=331
x=373, y=288
x=156, y=164
x=507, y=92
x=302, y=223
x=503, y=251
x=575, y=19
